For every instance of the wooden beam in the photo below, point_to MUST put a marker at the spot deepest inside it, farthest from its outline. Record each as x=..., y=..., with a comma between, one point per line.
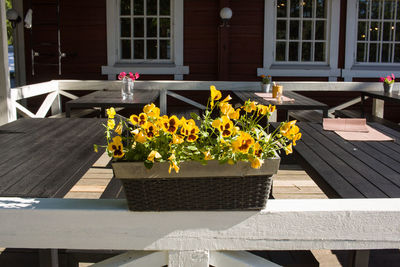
x=7, y=112
x=46, y=105
x=298, y=224
x=186, y=100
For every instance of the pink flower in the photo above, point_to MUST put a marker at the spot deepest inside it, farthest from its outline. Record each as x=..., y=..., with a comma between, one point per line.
x=131, y=76
x=393, y=76
x=381, y=79
x=121, y=75
x=137, y=76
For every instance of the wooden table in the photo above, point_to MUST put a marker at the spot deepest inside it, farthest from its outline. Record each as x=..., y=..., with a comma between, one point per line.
x=350, y=169
x=46, y=157
x=300, y=102
x=378, y=101
x=111, y=98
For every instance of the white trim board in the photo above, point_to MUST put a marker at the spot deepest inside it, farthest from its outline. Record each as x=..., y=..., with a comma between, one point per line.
x=283, y=225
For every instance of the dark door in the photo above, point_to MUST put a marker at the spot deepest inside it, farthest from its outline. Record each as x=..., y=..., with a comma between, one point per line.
x=67, y=40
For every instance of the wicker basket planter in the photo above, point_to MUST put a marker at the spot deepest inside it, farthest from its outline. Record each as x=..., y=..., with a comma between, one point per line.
x=196, y=187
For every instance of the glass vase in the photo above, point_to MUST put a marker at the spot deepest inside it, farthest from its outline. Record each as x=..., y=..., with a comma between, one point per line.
x=387, y=88
x=127, y=88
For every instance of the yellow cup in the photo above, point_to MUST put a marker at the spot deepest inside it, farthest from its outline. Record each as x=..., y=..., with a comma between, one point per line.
x=276, y=89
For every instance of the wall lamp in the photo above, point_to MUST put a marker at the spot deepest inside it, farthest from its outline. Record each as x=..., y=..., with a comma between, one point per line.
x=226, y=15
x=13, y=17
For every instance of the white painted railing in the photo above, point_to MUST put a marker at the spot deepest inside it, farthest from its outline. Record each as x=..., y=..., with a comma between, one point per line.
x=55, y=88
x=282, y=225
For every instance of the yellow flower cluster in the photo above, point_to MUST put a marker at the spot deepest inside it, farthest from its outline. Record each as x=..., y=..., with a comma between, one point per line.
x=224, y=133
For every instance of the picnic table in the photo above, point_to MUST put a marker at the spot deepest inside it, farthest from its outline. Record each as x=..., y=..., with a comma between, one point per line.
x=351, y=169
x=379, y=97
x=45, y=157
x=111, y=98
x=300, y=102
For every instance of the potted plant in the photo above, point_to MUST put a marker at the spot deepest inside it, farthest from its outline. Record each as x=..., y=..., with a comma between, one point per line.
x=388, y=83
x=221, y=160
x=265, y=83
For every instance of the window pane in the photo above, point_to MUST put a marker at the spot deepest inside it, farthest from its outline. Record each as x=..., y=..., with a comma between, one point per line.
x=165, y=7
x=138, y=27
x=320, y=30
x=307, y=8
x=151, y=49
x=294, y=8
x=373, y=50
x=280, y=51
x=397, y=53
x=361, y=50
x=374, y=31
x=294, y=30
x=389, y=6
x=281, y=29
x=165, y=49
x=138, y=7
x=306, y=52
x=293, y=51
x=321, y=9
x=138, y=49
x=319, y=54
x=152, y=27
x=386, y=53
x=125, y=49
x=362, y=9
x=281, y=8
x=165, y=27
x=397, y=31
x=125, y=27
x=387, y=31
x=151, y=7
x=361, y=31
x=375, y=10
x=307, y=29
x=125, y=7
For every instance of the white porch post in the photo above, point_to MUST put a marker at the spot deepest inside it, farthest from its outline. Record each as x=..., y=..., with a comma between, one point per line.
x=6, y=113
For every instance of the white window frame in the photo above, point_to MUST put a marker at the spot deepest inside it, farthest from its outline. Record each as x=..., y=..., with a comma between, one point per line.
x=360, y=69
x=299, y=69
x=173, y=67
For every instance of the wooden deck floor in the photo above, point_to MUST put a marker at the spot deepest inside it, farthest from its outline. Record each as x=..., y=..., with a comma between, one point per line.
x=290, y=182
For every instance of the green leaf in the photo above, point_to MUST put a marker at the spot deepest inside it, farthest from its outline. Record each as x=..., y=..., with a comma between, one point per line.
x=193, y=148
x=194, y=116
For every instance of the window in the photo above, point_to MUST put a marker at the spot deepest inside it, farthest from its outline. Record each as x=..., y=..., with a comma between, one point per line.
x=301, y=31
x=145, y=30
x=145, y=36
x=378, y=31
x=301, y=38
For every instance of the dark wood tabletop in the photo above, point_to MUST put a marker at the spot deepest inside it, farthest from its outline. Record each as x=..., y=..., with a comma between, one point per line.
x=46, y=157
x=394, y=96
x=112, y=98
x=300, y=102
x=350, y=169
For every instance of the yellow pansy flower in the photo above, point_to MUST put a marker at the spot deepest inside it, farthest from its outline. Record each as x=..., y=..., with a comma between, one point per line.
x=171, y=124
x=111, y=123
x=226, y=108
x=215, y=95
x=118, y=129
x=243, y=142
x=271, y=108
x=234, y=114
x=153, y=155
x=296, y=138
x=172, y=164
x=226, y=127
x=250, y=106
x=226, y=99
x=111, y=113
x=151, y=110
x=262, y=110
x=139, y=136
x=150, y=130
x=256, y=163
x=257, y=150
x=116, y=147
x=177, y=139
x=192, y=136
x=207, y=155
x=289, y=149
